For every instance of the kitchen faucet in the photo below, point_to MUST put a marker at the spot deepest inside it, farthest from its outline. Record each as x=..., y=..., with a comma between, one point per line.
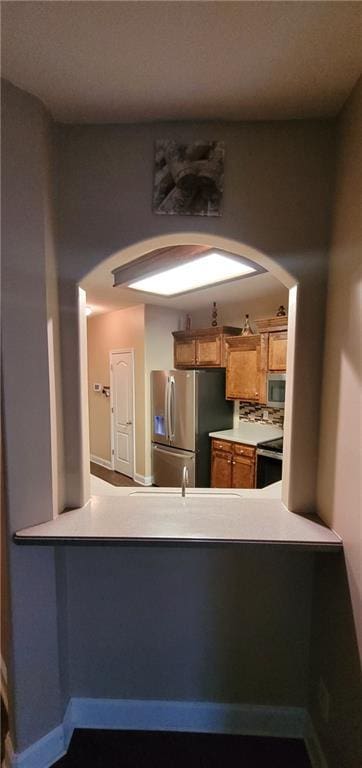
x=185, y=481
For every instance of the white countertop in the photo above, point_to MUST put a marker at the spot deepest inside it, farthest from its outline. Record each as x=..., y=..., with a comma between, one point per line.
x=152, y=515
x=250, y=433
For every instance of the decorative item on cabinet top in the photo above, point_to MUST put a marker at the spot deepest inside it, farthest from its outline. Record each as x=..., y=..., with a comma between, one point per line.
x=202, y=347
x=214, y=315
x=246, y=327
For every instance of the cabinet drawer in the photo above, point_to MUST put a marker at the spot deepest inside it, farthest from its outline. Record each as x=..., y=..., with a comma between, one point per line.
x=244, y=450
x=221, y=445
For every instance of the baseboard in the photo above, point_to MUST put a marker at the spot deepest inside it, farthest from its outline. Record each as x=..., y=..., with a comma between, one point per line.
x=193, y=716
x=149, y=715
x=143, y=479
x=313, y=745
x=101, y=462
x=42, y=754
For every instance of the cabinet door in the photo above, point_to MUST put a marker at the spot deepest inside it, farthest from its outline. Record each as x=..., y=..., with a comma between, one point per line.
x=221, y=469
x=184, y=353
x=243, y=472
x=208, y=351
x=278, y=351
x=243, y=369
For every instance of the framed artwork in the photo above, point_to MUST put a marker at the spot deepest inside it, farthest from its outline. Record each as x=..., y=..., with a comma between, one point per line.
x=188, y=178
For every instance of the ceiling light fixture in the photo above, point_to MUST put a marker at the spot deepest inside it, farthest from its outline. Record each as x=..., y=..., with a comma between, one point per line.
x=213, y=268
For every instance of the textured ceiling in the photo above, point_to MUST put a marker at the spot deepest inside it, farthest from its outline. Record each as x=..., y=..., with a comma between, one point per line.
x=138, y=61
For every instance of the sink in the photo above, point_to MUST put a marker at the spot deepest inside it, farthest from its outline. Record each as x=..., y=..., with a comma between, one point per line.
x=189, y=494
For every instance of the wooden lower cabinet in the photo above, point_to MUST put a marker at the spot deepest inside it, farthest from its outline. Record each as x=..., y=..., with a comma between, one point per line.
x=221, y=470
x=232, y=465
x=243, y=472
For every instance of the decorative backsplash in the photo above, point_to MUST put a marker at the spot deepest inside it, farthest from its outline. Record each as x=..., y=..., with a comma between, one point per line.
x=252, y=412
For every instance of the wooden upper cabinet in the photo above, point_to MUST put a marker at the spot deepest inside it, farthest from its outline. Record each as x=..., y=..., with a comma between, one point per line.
x=185, y=353
x=208, y=351
x=277, y=358
x=243, y=368
x=202, y=348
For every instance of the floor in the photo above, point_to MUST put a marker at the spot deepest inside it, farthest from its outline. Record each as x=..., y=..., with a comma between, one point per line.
x=114, y=478
x=134, y=749
x=4, y=727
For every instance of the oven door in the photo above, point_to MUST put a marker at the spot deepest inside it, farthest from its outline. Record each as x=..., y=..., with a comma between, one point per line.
x=268, y=467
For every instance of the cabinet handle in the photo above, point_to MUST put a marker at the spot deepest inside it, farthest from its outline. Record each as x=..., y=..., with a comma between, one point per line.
x=241, y=451
x=234, y=462
x=229, y=461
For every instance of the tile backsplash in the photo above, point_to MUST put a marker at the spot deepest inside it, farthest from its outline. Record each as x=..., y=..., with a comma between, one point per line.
x=252, y=412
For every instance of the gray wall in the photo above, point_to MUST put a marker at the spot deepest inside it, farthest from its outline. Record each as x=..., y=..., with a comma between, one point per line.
x=278, y=185
x=241, y=630
x=115, y=617
x=190, y=624
x=336, y=648
x=33, y=672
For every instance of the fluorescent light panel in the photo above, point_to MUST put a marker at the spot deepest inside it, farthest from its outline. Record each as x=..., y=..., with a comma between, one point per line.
x=213, y=268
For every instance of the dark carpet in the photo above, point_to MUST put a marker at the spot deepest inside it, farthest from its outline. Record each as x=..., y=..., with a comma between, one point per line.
x=146, y=749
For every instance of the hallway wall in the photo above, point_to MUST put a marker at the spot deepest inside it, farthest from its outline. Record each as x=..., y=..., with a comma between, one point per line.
x=123, y=329
x=26, y=233
x=336, y=650
x=277, y=193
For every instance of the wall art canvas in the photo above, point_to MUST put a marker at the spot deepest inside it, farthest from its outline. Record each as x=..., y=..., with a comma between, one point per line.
x=188, y=178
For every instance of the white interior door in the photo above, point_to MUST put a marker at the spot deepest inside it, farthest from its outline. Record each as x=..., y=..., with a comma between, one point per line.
x=122, y=412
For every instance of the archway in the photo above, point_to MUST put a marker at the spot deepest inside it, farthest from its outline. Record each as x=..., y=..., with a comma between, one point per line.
x=138, y=249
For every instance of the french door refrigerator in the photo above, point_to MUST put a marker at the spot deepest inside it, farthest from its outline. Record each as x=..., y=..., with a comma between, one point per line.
x=186, y=406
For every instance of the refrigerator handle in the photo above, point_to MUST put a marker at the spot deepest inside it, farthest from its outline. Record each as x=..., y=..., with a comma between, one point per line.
x=172, y=407
x=171, y=452
x=167, y=425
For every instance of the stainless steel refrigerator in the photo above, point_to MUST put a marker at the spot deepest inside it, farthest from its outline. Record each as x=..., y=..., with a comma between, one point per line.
x=186, y=406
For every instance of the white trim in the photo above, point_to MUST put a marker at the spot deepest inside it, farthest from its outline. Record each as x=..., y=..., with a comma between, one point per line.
x=9, y=752
x=4, y=682
x=313, y=745
x=143, y=479
x=102, y=462
x=186, y=716
x=122, y=352
x=192, y=716
x=42, y=754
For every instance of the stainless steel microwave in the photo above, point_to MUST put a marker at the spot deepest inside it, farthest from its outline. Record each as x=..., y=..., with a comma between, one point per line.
x=276, y=390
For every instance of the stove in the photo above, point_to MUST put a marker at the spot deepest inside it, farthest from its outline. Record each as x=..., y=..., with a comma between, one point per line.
x=272, y=445
x=269, y=462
